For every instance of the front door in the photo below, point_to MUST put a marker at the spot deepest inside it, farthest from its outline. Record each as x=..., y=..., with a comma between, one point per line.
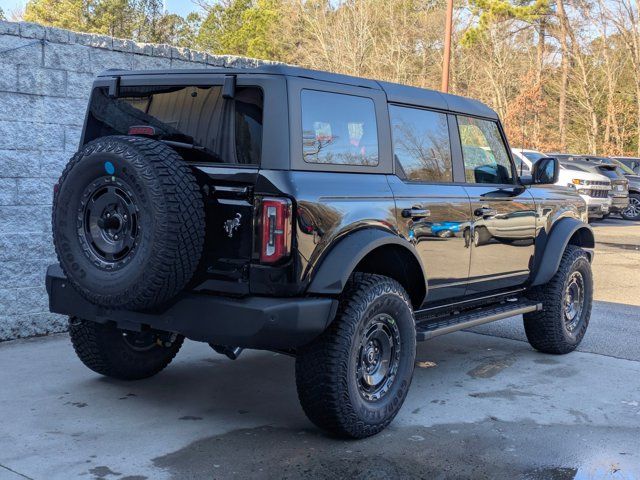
x=504, y=213
x=431, y=212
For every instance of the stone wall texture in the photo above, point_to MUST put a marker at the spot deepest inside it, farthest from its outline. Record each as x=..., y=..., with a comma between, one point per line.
x=45, y=81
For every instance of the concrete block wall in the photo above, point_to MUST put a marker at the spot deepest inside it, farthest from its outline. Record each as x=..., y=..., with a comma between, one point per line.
x=45, y=80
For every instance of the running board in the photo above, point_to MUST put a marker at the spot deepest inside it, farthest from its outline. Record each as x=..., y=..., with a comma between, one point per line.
x=427, y=329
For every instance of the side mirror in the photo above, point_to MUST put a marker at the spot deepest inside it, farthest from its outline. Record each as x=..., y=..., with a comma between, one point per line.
x=544, y=172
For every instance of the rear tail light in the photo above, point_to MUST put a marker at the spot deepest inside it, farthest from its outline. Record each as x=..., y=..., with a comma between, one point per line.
x=276, y=229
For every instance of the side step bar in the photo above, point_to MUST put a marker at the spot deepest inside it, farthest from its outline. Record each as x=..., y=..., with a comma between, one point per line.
x=427, y=329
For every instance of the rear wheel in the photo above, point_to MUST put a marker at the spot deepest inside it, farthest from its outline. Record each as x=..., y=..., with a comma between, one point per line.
x=632, y=212
x=122, y=354
x=353, y=379
x=562, y=323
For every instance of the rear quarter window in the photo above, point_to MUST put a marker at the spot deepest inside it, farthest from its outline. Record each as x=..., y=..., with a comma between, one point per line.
x=197, y=121
x=338, y=129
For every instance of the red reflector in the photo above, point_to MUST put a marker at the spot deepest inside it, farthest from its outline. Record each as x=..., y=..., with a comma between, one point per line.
x=276, y=229
x=142, y=130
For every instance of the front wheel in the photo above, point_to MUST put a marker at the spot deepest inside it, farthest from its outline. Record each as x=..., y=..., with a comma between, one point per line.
x=566, y=299
x=122, y=354
x=353, y=379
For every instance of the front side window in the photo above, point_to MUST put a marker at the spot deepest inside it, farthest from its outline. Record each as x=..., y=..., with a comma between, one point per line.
x=197, y=121
x=338, y=129
x=485, y=155
x=421, y=146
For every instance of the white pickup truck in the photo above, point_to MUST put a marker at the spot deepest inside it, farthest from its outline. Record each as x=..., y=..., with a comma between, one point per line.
x=592, y=187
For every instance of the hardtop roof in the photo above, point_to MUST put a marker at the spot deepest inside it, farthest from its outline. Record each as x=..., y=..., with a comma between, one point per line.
x=395, y=92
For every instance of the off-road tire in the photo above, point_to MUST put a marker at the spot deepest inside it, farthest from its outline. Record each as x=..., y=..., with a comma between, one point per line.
x=326, y=369
x=169, y=226
x=103, y=349
x=547, y=329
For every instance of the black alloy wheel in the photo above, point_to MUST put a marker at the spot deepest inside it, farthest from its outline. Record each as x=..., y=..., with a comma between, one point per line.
x=378, y=357
x=573, y=300
x=108, y=223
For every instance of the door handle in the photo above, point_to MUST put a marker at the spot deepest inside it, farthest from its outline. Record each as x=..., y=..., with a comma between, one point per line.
x=485, y=212
x=415, y=212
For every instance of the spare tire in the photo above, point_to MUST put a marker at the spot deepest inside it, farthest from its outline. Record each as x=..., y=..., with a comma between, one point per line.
x=128, y=222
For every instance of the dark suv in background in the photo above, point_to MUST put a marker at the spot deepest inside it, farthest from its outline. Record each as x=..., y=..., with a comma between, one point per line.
x=331, y=218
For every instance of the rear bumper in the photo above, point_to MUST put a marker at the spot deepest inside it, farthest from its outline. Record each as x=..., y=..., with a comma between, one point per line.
x=250, y=322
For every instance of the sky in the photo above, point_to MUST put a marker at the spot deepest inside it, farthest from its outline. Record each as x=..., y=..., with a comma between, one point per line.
x=181, y=7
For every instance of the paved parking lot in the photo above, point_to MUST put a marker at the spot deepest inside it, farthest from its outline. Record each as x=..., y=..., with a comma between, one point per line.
x=491, y=407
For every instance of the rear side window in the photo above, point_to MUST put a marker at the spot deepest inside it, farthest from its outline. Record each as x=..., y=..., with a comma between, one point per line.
x=338, y=129
x=197, y=121
x=421, y=146
x=484, y=153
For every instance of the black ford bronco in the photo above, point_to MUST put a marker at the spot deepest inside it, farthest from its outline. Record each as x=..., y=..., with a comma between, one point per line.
x=335, y=219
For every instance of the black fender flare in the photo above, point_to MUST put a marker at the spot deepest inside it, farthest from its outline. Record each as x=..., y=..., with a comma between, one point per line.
x=553, y=246
x=341, y=260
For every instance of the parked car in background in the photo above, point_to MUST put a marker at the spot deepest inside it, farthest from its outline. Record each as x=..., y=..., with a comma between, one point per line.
x=632, y=212
x=619, y=184
x=632, y=162
x=593, y=187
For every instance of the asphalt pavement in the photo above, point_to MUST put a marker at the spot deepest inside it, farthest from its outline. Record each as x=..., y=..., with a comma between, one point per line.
x=483, y=404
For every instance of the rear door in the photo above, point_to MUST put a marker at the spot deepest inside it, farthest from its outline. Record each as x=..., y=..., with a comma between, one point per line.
x=431, y=210
x=217, y=129
x=503, y=211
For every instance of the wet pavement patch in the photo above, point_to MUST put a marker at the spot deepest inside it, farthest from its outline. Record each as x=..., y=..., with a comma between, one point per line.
x=507, y=394
x=103, y=472
x=492, y=366
x=562, y=372
x=488, y=449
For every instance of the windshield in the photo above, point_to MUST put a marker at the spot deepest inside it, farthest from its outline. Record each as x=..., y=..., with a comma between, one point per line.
x=608, y=172
x=533, y=156
x=622, y=168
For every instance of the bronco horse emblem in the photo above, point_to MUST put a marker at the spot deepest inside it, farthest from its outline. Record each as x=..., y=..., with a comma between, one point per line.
x=232, y=225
